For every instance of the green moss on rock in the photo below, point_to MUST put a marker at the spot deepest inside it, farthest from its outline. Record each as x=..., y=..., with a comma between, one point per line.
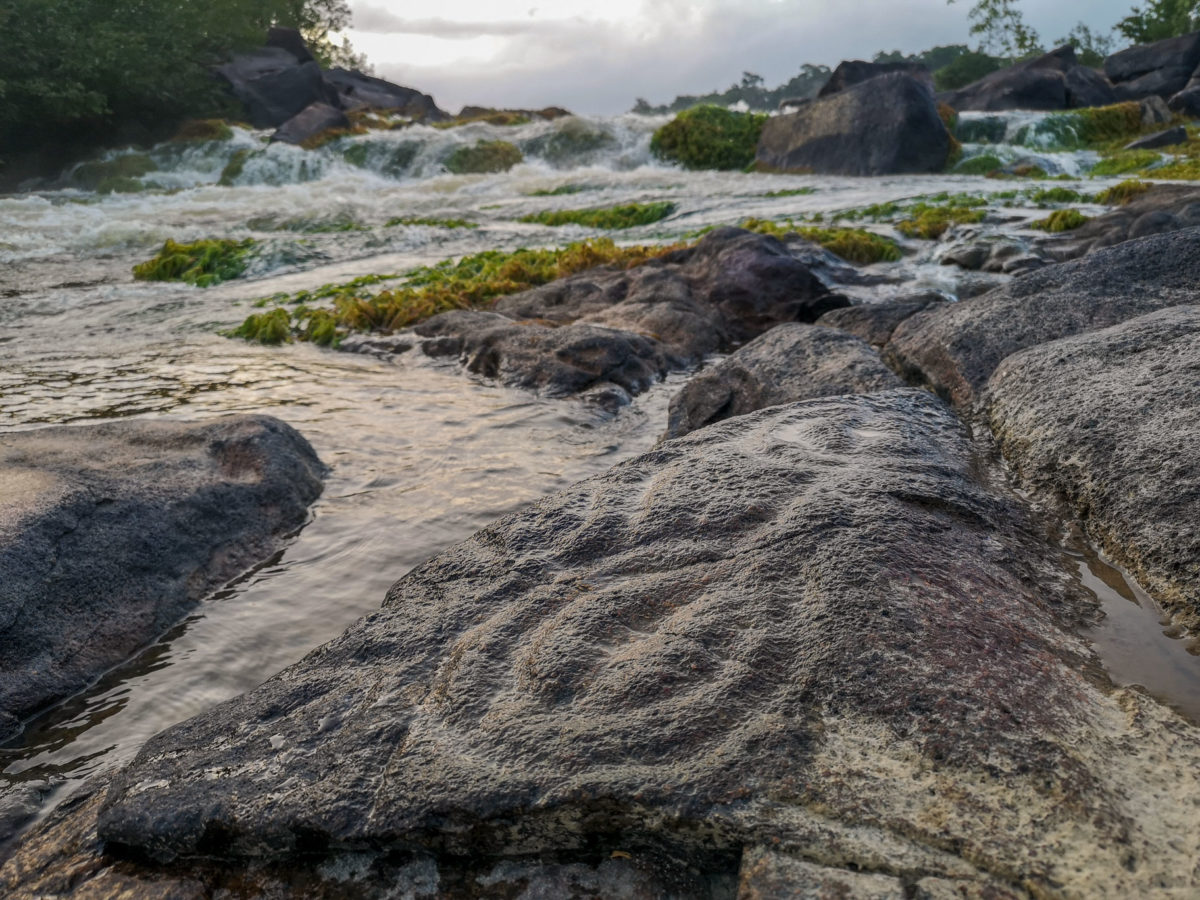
x=1126, y=161
x=198, y=130
x=856, y=245
x=930, y=221
x=978, y=165
x=627, y=216
x=234, y=168
x=1120, y=194
x=202, y=263
x=709, y=137
x=1061, y=220
x=484, y=157
x=426, y=220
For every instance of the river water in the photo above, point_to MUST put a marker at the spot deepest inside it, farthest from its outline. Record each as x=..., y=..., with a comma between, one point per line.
x=421, y=456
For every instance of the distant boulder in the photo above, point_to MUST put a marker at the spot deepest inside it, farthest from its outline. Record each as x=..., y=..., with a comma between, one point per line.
x=309, y=122
x=1162, y=68
x=856, y=71
x=1052, y=81
x=886, y=125
x=358, y=91
x=274, y=85
x=292, y=41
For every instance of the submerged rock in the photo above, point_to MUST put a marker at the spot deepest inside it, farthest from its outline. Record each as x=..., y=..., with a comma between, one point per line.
x=1110, y=422
x=310, y=122
x=626, y=326
x=955, y=348
x=108, y=533
x=778, y=653
x=888, y=125
x=789, y=363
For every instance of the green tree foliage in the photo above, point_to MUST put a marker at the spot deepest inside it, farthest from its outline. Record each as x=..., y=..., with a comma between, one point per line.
x=966, y=69
x=1090, y=46
x=71, y=69
x=751, y=91
x=1158, y=19
x=1001, y=29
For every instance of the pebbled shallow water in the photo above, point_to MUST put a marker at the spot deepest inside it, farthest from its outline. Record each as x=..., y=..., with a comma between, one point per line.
x=421, y=456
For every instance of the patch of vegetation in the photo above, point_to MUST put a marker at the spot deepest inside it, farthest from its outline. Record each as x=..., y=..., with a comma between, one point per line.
x=1187, y=169
x=197, y=130
x=1121, y=121
x=560, y=191
x=1023, y=170
x=202, y=263
x=1125, y=161
x=1057, y=195
x=929, y=221
x=856, y=245
x=978, y=165
x=424, y=220
x=274, y=327
x=473, y=282
x=484, y=157
x=499, y=117
x=1060, y=220
x=709, y=137
x=234, y=168
x=1120, y=194
x=966, y=69
x=91, y=175
x=794, y=192
x=629, y=215
x=571, y=139
x=329, y=135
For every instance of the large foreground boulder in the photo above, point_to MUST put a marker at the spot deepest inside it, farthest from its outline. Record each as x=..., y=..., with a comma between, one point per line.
x=1110, y=422
x=788, y=363
x=626, y=327
x=804, y=650
x=1161, y=69
x=956, y=347
x=888, y=125
x=1052, y=81
x=109, y=533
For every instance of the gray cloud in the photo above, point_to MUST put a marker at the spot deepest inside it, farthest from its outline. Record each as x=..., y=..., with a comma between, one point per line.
x=686, y=46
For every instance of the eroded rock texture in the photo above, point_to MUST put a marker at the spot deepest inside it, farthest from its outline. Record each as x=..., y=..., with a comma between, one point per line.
x=1110, y=421
x=108, y=533
x=956, y=347
x=787, y=364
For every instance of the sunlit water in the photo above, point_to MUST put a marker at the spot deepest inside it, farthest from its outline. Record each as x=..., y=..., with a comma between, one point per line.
x=420, y=456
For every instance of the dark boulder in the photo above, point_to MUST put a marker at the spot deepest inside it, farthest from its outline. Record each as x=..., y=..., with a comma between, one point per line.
x=355, y=90
x=888, y=125
x=310, y=122
x=274, y=86
x=852, y=72
x=875, y=322
x=956, y=347
x=109, y=533
x=292, y=41
x=1173, y=56
x=1170, y=138
x=1108, y=421
x=789, y=363
x=627, y=326
x=1159, y=209
x=1049, y=82
x=1187, y=101
x=1162, y=83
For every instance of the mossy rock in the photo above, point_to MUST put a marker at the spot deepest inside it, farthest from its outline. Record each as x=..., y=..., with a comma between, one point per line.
x=91, y=175
x=202, y=263
x=484, y=157
x=201, y=130
x=930, y=221
x=709, y=137
x=1061, y=220
x=233, y=169
x=273, y=327
x=1120, y=194
x=629, y=215
x=1126, y=161
x=572, y=140
x=1057, y=195
x=978, y=165
x=990, y=130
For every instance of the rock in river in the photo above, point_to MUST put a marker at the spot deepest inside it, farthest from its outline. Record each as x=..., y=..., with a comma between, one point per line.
x=788, y=363
x=807, y=648
x=108, y=533
x=1110, y=422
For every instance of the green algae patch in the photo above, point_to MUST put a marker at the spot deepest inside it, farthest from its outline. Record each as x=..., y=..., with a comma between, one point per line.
x=978, y=165
x=1120, y=194
x=629, y=215
x=561, y=191
x=203, y=130
x=1180, y=170
x=1057, y=195
x=234, y=168
x=433, y=222
x=329, y=135
x=709, y=137
x=484, y=157
x=1061, y=220
x=91, y=175
x=856, y=245
x=794, y=192
x=472, y=282
x=202, y=263
x=1125, y=161
x=274, y=327
x=930, y=221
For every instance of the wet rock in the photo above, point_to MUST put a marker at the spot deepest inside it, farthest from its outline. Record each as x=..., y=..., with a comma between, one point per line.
x=856, y=71
x=19, y=803
x=789, y=363
x=742, y=639
x=108, y=533
x=274, y=85
x=995, y=255
x=1160, y=209
x=629, y=326
x=310, y=122
x=504, y=116
x=956, y=348
x=354, y=90
x=888, y=125
x=875, y=322
x=1155, y=112
x=1108, y=421
x=1168, y=138
x=1049, y=82
x=1162, y=68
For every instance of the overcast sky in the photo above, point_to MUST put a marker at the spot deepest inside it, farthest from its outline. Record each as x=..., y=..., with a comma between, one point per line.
x=598, y=56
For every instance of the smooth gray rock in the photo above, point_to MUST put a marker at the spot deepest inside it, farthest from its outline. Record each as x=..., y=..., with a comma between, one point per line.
x=789, y=363
x=627, y=326
x=812, y=629
x=875, y=322
x=888, y=125
x=1110, y=422
x=310, y=122
x=109, y=533
x=1162, y=208
x=955, y=348
x=1155, y=111
x=1169, y=138
x=1178, y=54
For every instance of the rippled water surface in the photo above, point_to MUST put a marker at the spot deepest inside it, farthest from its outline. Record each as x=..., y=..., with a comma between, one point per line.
x=420, y=456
